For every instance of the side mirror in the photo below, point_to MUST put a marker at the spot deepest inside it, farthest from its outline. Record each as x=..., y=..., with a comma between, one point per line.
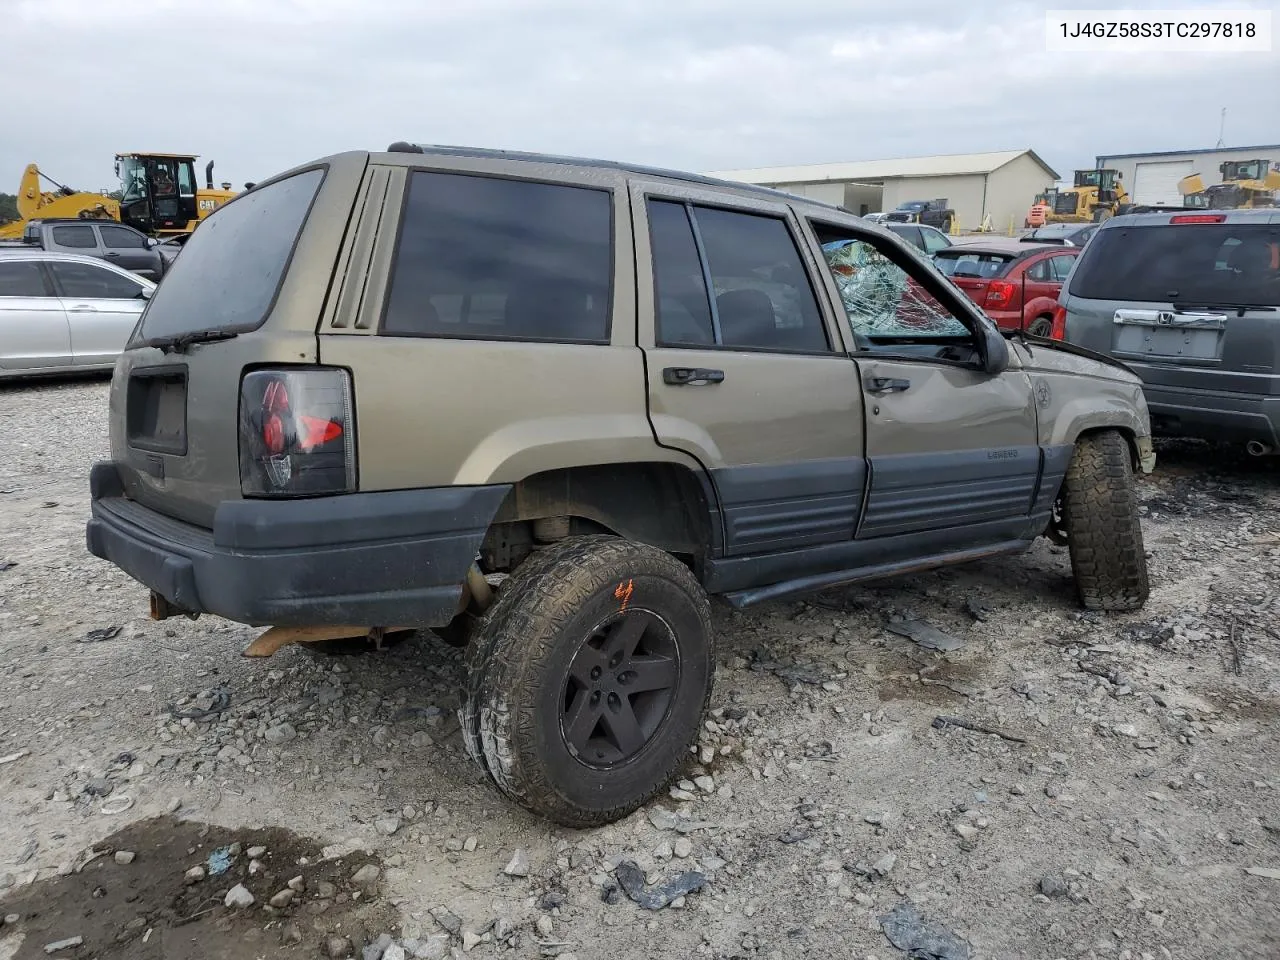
x=995, y=352
x=143, y=294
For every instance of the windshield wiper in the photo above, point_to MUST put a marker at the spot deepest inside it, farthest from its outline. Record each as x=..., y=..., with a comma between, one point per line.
x=181, y=341
x=1240, y=308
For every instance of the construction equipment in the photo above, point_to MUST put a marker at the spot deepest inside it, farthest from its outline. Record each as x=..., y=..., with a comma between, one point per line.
x=1041, y=208
x=1246, y=185
x=1094, y=195
x=158, y=195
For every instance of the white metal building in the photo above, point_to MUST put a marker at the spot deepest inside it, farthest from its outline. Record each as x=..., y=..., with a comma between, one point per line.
x=1153, y=177
x=1001, y=185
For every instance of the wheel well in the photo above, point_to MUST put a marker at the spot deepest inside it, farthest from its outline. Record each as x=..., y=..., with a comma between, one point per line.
x=1130, y=439
x=665, y=505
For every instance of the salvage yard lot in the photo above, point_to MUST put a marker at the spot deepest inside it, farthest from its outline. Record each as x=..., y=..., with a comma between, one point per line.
x=1131, y=787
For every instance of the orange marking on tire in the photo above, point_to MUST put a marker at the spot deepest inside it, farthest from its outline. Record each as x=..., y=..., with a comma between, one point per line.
x=623, y=592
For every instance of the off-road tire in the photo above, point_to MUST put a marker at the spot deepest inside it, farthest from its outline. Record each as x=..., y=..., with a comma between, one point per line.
x=519, y=662
x=1104, y=534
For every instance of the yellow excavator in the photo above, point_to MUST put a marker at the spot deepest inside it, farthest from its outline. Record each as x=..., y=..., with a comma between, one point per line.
x=158, y=195
x=1094, y=195
x=1246, y=185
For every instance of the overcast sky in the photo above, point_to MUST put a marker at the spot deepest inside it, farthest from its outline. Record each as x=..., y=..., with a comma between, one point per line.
x=261, y=85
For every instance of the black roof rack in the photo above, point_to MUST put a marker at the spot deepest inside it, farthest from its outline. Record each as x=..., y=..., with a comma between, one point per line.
x=443, y=150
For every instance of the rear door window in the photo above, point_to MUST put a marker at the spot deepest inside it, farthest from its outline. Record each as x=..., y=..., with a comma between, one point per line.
x=85, y=281
x=22, y=278
x=498, y=259
x=1205, y=263
x=231, y=269
x=1059, y=267
x=955, y=262
x=75, y=236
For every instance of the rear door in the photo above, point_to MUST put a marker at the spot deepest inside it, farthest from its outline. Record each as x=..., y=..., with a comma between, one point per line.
x=746, y=369
x=953, y=450
x=102, y=307
x=33, y=326
x=127, y=249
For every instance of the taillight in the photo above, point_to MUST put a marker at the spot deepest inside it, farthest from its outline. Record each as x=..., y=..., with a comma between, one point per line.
x=1058, y=331
x=1000, y=293
x=297, y=434
x=1198, y=218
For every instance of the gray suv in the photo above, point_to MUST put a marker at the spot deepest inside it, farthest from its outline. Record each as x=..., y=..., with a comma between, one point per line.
x=1191, y=302
x=549, y=406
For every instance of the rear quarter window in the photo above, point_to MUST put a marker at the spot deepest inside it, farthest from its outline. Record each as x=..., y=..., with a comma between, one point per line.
x=499, y=259
x=231, y=269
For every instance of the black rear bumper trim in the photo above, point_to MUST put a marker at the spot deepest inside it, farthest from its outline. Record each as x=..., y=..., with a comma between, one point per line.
x=394, y=558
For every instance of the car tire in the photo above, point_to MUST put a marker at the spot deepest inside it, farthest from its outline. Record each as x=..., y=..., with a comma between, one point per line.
x=589, y=678
x=1041, y=326
x=1100, y=516
x=946, y=225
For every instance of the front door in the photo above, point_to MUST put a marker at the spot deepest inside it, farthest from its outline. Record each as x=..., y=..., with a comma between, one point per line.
x=102, y=307
x=746, y=369
x=127, y=249
x=950, y=447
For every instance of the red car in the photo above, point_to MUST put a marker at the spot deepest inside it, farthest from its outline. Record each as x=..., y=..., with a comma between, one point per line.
x=1016, y=283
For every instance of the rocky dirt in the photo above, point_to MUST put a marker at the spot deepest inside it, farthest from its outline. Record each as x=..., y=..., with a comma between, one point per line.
x=1118, y=798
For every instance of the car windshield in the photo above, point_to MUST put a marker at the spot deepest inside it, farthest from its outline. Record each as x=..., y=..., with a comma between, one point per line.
x=912, y=205
x=955, y=262
x=1214, y=264
x=1054, y=231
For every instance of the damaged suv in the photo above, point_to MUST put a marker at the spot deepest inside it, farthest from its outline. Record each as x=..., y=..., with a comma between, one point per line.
x=549, y=406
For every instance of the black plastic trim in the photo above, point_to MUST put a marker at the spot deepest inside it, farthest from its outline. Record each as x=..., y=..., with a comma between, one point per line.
x=376, y=559
x=781, y=506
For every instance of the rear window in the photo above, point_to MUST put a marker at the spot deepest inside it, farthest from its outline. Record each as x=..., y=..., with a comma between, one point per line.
x=232, y=267
x=1213, y=264
x=957, y=263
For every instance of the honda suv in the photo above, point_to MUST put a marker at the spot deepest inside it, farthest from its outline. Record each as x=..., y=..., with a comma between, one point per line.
x=1190, y=301
x=548, y=406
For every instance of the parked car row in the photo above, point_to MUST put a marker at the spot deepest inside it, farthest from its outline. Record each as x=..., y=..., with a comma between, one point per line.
x=107, y=240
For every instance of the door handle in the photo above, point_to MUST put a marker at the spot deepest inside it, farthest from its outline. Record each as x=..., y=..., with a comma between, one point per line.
x=82, y=308
x=887, y=385
x=112, y=254
x=691, y=376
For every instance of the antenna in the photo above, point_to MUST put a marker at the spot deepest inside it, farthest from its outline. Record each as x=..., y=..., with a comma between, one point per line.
x=1222, y=128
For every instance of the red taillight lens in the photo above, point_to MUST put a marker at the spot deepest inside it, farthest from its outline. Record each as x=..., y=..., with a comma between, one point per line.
x=1059, y=329
x=1000, y=293
x=296, y=432
x=1198, y=218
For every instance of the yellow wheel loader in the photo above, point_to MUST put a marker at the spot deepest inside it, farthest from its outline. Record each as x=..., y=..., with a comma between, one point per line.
x=1246, y=185
x=1094, y=195
x=158, y=195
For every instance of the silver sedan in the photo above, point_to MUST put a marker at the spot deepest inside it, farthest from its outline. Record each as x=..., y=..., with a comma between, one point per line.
x=63, y=313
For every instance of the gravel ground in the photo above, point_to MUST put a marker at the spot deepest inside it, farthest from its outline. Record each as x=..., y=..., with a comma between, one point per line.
x=1125, y=807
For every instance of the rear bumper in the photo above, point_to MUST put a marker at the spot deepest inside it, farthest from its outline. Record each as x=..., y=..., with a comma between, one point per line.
x=1213, y=415
x=397, y=558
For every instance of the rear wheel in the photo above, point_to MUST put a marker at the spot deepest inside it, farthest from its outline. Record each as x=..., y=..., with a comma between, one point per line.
x=1041, y=326
x=1100, y=516
x=946, y=225
x=588, y=679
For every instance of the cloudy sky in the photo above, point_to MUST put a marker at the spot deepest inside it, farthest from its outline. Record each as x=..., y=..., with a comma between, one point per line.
x=260, y=85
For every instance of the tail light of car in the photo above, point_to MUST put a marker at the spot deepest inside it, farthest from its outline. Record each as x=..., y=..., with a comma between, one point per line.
x=1000, y=294
x=1199, y=218
x=297, y=433
x=1058, y=329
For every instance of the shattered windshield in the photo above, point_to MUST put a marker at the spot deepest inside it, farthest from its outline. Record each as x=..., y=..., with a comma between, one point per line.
x=881, y=299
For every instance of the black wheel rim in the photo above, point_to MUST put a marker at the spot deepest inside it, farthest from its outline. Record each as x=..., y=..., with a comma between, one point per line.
x=621, y=684
x=1040, y=327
